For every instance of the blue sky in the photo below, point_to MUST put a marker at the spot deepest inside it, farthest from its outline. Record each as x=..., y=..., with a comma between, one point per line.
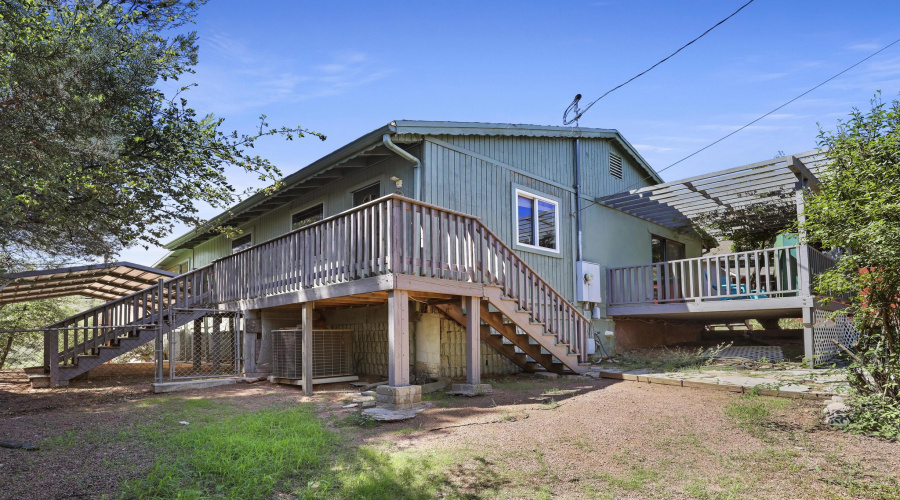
x=346, y=68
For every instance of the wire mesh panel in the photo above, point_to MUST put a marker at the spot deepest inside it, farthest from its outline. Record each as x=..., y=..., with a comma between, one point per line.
x=20, y=350
x=332, y=353
x=206, y=344
x=839, y=329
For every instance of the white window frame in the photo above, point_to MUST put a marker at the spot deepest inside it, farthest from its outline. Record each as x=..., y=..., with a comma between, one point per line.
x=536, y=197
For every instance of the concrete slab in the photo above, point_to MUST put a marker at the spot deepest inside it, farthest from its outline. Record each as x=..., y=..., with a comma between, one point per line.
x=470, y=389
x=748, y=381
x=187, y=385
x=386, y=415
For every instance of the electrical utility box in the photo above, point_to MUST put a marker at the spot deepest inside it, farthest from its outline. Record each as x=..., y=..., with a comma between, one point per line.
x=588, y=280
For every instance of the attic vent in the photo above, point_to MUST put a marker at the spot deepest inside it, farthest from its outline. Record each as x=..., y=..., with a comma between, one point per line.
x=615, y=166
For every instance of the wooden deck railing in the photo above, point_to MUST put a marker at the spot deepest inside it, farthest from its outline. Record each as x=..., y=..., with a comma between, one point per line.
x=389, y=235
x=87, y=331
x=396, y=235
x=757, y=274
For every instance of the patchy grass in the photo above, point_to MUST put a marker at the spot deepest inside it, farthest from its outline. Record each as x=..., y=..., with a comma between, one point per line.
x=662, y=360
x=244, y=456
x=755, y=414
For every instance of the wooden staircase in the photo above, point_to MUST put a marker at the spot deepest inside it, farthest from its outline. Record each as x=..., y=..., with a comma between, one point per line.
x=86, y=340
x=88, y=355
x=389, y=236
x=534, y=349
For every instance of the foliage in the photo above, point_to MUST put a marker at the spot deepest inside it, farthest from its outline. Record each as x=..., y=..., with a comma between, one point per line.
x=23, y=348
x=94, y=156
x=858, y=209
x=874, y=414
x=742, y=225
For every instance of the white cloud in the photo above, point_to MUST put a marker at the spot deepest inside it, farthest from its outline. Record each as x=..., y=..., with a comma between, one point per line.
x=865, y=47
x=234, y=76
x=652, y=148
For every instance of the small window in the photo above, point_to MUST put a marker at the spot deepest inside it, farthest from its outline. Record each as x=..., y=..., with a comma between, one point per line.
x=366, y=194
x=241, y=242
x=184, y=267
x=308, y=216
x=615, y=166
x=662, y=249
x=537, y=221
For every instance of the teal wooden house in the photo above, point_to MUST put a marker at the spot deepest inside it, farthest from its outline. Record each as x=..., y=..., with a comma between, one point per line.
x=424, y=250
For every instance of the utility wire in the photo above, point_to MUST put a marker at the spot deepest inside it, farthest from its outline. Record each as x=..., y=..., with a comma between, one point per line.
x=726, y=136
x=580, y=112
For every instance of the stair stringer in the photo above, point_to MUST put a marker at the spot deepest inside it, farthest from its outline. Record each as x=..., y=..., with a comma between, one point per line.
x=455, y=312
x=523, y=319
x=87, y=362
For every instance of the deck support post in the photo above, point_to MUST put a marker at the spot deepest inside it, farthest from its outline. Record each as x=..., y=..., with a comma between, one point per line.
x=197, y=344
x=473, y=385
x=252, y=331
x=398, y=394
x=398, y=338
x=307, y=349
x=473, y=339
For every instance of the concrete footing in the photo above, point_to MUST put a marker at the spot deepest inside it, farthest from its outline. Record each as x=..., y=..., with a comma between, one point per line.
x=398, y=398
x=188, y=385
x=471, y=389
x=39, y=381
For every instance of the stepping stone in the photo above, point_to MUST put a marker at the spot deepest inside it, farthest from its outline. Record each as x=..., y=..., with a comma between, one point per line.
x=385, y=415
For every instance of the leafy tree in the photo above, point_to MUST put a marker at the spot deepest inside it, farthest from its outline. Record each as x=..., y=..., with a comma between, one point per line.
x=858, y=209
x=94, y=156
x=23, y=348
x=750, y=227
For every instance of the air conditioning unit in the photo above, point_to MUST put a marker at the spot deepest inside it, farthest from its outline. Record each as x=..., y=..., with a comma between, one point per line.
x=332, y=354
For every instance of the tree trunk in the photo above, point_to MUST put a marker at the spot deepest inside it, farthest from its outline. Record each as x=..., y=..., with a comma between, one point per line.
x=9, y=341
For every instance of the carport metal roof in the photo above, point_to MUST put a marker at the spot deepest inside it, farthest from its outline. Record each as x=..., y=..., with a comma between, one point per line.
x=680, y=204
x=100, y=281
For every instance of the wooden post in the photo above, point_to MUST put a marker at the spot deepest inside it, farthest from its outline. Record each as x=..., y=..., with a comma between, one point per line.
x=804, y=277
x=197, y=343
x=398, y=338
x=51, y=354
x=473, y=339
x=808, y=345
x=160, y=324
x=307, y=349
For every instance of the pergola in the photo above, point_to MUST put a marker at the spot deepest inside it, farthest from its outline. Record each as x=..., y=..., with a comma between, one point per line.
x=738, y=192
x=101, y=281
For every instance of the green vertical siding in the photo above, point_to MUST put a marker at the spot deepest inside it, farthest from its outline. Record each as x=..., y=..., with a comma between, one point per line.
x=459, y=181
x=467, y=182
x=336, y=197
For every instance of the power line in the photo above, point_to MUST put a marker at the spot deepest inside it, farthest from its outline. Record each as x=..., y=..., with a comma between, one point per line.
x=580, y=112
x=726, y=136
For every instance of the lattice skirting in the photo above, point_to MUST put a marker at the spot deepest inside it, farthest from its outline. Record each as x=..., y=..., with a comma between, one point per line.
x=840, y=329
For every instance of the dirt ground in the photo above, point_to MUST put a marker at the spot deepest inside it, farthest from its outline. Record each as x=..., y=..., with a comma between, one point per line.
x=532, y=438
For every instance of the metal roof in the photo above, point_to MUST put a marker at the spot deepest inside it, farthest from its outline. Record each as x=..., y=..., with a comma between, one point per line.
x=679, y=204
x=368, y=149
x=100, y=281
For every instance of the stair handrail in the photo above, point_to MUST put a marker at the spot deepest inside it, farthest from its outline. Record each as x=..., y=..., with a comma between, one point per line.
x=90, y=329
x=576, y=339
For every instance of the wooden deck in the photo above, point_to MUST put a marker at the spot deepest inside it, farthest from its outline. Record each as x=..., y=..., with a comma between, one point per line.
x=390, y=249
x=769, y=283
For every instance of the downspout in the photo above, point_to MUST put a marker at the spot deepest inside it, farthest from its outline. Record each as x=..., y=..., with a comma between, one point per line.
x=578, y=198
x=386, y=139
